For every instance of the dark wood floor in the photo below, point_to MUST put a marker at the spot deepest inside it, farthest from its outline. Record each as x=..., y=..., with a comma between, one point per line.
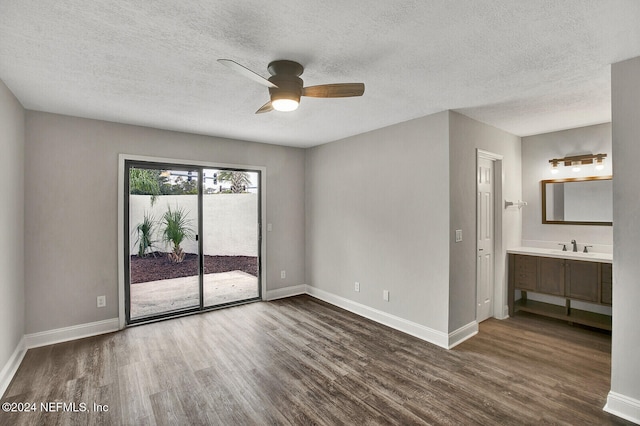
x=301, y=361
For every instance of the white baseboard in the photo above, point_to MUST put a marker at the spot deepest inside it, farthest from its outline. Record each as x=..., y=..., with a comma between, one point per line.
x=417, y=330
x=10, y=368
x=505, y=313
x=74, y=332
x=623, y=406
x=280, y=293
x=463, y=333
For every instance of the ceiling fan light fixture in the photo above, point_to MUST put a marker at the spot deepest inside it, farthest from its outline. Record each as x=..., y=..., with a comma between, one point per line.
x=285, y=104
x=286, y=97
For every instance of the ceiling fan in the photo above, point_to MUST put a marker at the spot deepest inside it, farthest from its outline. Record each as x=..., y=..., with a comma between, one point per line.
x=285, y=85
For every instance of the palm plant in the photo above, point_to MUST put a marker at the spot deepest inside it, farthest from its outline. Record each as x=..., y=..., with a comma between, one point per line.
x=145, y=182
x=176, y=229
x=239, y=180
x=145, y=232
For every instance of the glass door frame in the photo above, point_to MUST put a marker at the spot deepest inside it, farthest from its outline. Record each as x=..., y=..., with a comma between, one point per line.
x=130, y=164
x=124, y=163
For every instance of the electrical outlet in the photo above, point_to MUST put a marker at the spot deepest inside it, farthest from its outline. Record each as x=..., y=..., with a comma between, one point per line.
x=269, y=227
x=357, y=286
x=385, y=295
x=283, y=274
x=101, y=301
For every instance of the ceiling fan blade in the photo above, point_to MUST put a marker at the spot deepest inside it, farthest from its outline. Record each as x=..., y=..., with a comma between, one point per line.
x=341, y=90
x=265, y=108
x=246, y=72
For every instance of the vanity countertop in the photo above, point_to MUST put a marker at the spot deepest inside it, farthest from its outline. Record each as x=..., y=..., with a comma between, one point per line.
x=589, y=257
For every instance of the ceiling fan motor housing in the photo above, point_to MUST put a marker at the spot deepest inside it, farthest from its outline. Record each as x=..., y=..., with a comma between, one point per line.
x=284, y=74
x=284, y=67
x=289, y=87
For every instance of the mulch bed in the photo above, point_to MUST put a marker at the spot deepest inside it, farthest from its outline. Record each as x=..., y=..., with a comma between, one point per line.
x=157, y=266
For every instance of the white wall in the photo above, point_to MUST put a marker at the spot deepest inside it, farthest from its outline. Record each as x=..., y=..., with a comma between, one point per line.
x=624, y=398
x=536, y=152
x=230, y=223
x=71, y=167
x=467, y=135
x=12, y=304
x=377, y=212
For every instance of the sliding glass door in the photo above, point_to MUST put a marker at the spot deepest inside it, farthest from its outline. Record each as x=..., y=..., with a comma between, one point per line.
x=192, y=239
x=231, y=244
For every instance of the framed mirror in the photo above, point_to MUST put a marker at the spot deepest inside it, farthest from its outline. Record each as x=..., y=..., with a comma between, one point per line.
x=578, y=201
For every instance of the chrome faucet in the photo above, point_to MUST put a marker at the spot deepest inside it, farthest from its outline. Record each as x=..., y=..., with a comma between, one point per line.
x=575, y=245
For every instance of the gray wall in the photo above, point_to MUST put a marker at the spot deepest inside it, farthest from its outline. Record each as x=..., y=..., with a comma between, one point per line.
x=12, y=257
x=625, y=94
x=377, y=212
x=536, y=152
x=71, y=198
x=467, y=135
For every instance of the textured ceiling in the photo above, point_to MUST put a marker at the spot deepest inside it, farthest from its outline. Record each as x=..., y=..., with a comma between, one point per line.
x=524, y=66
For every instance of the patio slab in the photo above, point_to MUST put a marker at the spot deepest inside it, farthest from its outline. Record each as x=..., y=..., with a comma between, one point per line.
x=179, y=293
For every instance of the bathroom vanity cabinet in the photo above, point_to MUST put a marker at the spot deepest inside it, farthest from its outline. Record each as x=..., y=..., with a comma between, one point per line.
x=586, y=280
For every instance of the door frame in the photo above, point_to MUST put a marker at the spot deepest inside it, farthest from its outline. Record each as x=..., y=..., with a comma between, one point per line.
x=500, y=308
x=181, y=161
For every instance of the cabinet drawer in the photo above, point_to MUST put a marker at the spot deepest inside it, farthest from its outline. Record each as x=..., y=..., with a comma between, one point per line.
x=526, y=268
x=607, y=272
x=606, y=297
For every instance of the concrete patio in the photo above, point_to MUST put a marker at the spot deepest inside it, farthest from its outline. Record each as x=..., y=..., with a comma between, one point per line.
x=155, y=297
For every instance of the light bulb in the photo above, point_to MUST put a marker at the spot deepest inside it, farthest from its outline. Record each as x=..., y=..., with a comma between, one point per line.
x=599, y=163
x=575, y=166
x=554, y=168
x=285, y=105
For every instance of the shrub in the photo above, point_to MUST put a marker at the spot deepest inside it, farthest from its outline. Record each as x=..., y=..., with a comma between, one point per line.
x=176, y=229
x=145, y=232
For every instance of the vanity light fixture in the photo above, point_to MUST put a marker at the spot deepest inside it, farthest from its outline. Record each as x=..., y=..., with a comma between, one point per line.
x=577, y=161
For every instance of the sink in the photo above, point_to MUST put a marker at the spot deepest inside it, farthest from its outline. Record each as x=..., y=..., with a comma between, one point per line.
x=574, y=253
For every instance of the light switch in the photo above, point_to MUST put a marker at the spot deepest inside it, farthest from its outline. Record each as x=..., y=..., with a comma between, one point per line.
x=269, y=227
x=458, y=235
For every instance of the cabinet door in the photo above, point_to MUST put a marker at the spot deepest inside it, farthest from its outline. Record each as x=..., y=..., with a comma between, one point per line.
x=583, y=280
x=551, y=276
x=525, y=272
x=606, y=284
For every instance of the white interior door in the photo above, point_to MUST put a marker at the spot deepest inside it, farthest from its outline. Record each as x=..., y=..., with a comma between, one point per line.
x=485, y=259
